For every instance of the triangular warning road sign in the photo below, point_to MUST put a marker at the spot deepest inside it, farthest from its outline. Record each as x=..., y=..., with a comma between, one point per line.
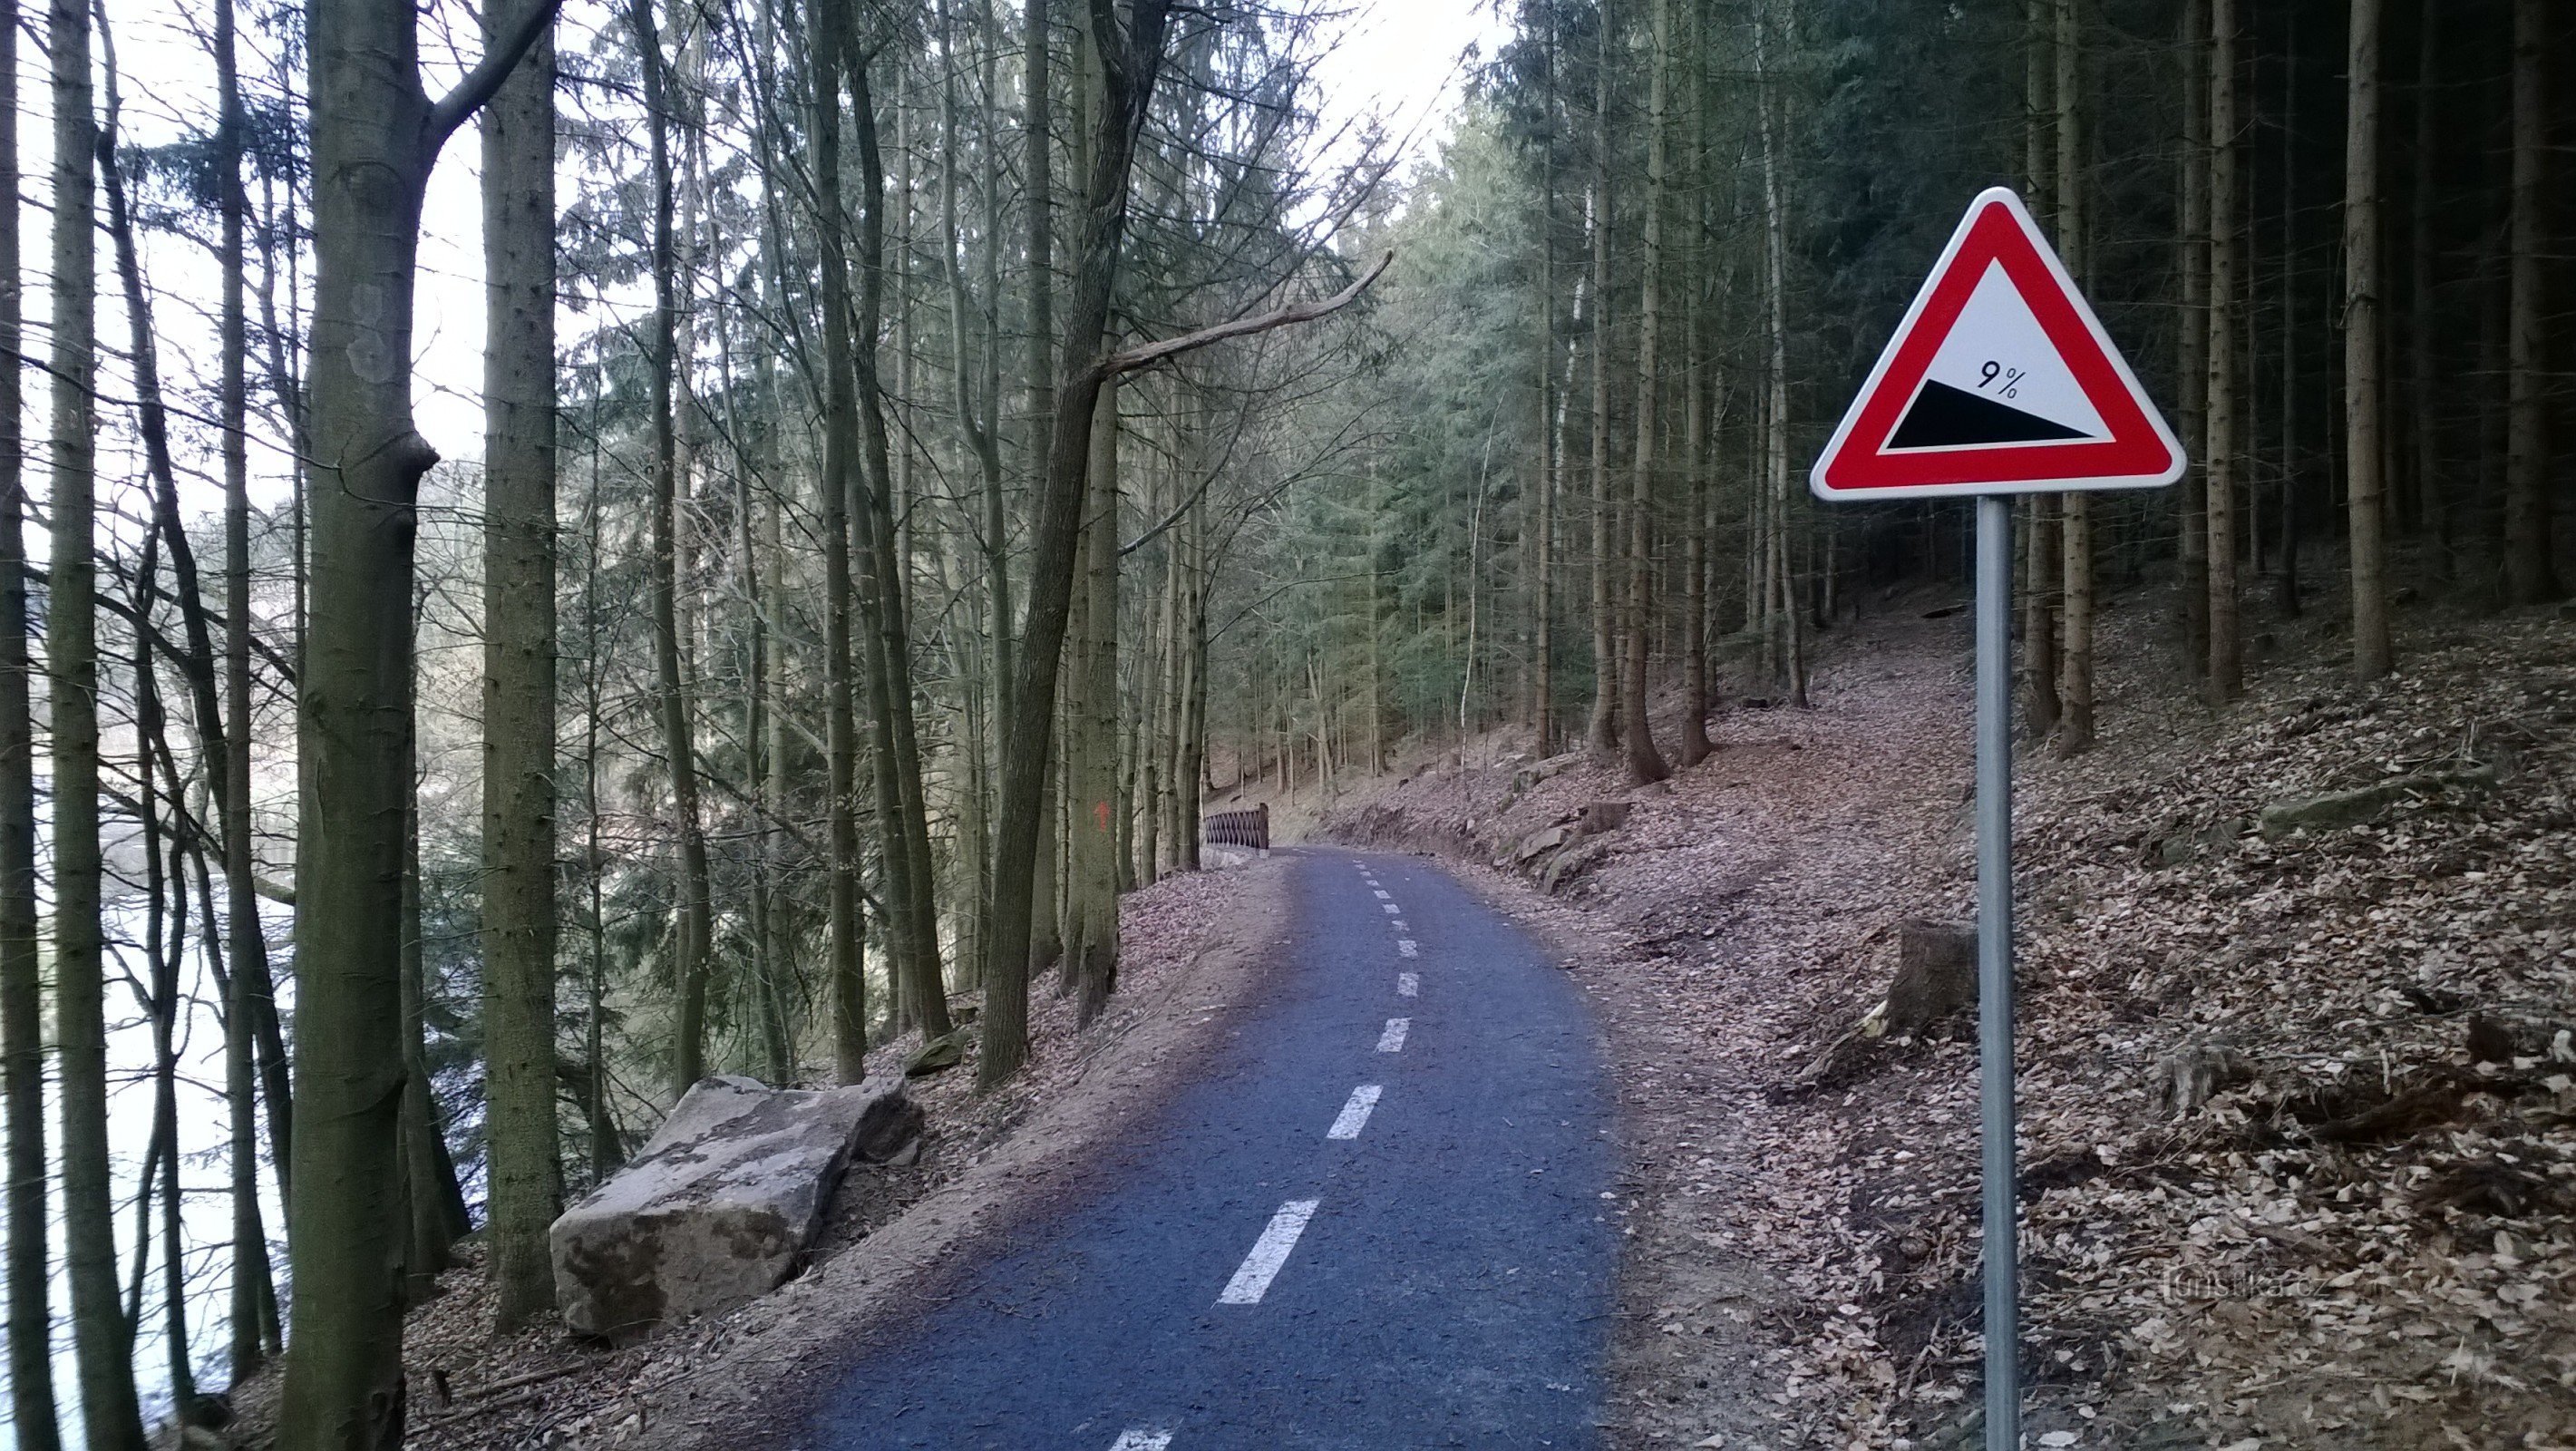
x=1999, y=381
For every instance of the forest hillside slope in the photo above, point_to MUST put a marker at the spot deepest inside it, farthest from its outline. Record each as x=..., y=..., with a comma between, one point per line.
x=2297, y=1150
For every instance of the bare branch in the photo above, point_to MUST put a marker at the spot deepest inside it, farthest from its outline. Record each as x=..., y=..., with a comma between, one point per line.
x=1146, y=355
x=512, y=46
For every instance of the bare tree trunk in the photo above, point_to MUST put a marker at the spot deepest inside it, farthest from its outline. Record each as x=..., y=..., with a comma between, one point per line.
x=1645, y=763
x=848, y=964
x=2288, y=592
x=161, y=964
x=2226, y=679
x=518, y=918
x=2364, y=462
x=607, y=1150
x=2075, y=665
x=374, y=137
x=2530, y=525
x=1091, y=726
x=1601, y=733
x=22, y=1028
x=427, y=1241
x=252, y=1306
x=689, y=966
x=2041, y=559
x=2192, y=342
x=902, y=812
x=1782, y=615
x=101, y=1338
x=1131, y=54
x=2440, y=522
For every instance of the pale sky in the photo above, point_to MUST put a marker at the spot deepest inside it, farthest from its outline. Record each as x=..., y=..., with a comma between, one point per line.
x=1398, y=61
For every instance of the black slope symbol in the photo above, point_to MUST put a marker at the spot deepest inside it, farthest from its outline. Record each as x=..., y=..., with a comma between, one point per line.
x=1947, y=417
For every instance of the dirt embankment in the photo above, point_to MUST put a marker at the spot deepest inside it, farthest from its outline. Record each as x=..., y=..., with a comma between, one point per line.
x=1192, y=954
x=2271, y=1195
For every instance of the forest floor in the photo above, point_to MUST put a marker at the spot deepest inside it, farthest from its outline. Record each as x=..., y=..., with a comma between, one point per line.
x=2361, y=1238
x=894, y=1231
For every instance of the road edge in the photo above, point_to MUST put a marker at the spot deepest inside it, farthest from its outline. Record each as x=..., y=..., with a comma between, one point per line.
x=763, y=1385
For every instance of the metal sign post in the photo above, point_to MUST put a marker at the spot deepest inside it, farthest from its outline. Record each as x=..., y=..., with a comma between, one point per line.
x=1995, y=969
x=1999, y=381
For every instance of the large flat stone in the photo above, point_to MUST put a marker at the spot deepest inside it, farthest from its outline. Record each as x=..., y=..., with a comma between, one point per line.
x=722, y=1203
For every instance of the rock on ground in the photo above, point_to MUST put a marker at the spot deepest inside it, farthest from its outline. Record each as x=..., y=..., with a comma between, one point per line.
x=722, y=1203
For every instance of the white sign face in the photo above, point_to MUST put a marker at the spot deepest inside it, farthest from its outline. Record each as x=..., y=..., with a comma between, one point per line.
x=1997, y=356
x=1999, y=380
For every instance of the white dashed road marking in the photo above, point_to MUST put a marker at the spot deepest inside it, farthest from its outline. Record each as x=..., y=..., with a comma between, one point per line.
x=1407, y=946
x=1406, y=984
x=1355, y=1114
x=1391, y=908
x=1381, y=894
x=1252, y=1280
x=1141, y=1440
x=1399, y=925
x=1392, y=1040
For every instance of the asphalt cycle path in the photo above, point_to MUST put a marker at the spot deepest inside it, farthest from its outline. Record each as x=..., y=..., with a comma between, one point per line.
x=1378, y=1221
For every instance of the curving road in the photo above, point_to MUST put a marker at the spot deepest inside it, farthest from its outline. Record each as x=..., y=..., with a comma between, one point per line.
x=1376, y=1223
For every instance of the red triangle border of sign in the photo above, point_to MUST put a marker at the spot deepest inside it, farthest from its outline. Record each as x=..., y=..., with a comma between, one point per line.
x=2140, y=452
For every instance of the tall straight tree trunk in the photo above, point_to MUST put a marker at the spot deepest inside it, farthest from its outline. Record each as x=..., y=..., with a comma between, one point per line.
x=1131, y=55
x=161, y=975
x=2440, y=523
x=607, y=1150
x=1601, y=732
x=165, y=959
x=902, y=812
x=22, y=1027
x=1645, y=763
x=689, y=967
x=2041, y=557
x=1091, y=730
x=2075, y=665
x=375, y=135
x=847, y=954
x=2226, y=679
x=2530, y=523
x=518, y=919
x=1038, y=364
x=1779, y=608
x=1543, y=546
x=2364, y=463
x=1697, y=404
x=248, y=996
x=2288, y=592
x=2191, y=345
x=1551, y=440
x=101, y=1337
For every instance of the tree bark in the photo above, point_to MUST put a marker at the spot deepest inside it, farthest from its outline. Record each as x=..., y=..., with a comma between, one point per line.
x=2192, y=343
x=1091, y=724
x=2364, y=462
x=518, y=918
x=691, y=943
x=2226, y=678
x=1601, y=732
x=102, y=1342
x=22, y=1068
x=2530, y=523
x=374, y=135
x=902, y=812
x=847, y=955
x=1131, y=55
x=2075, y=664
x=1645, y=762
